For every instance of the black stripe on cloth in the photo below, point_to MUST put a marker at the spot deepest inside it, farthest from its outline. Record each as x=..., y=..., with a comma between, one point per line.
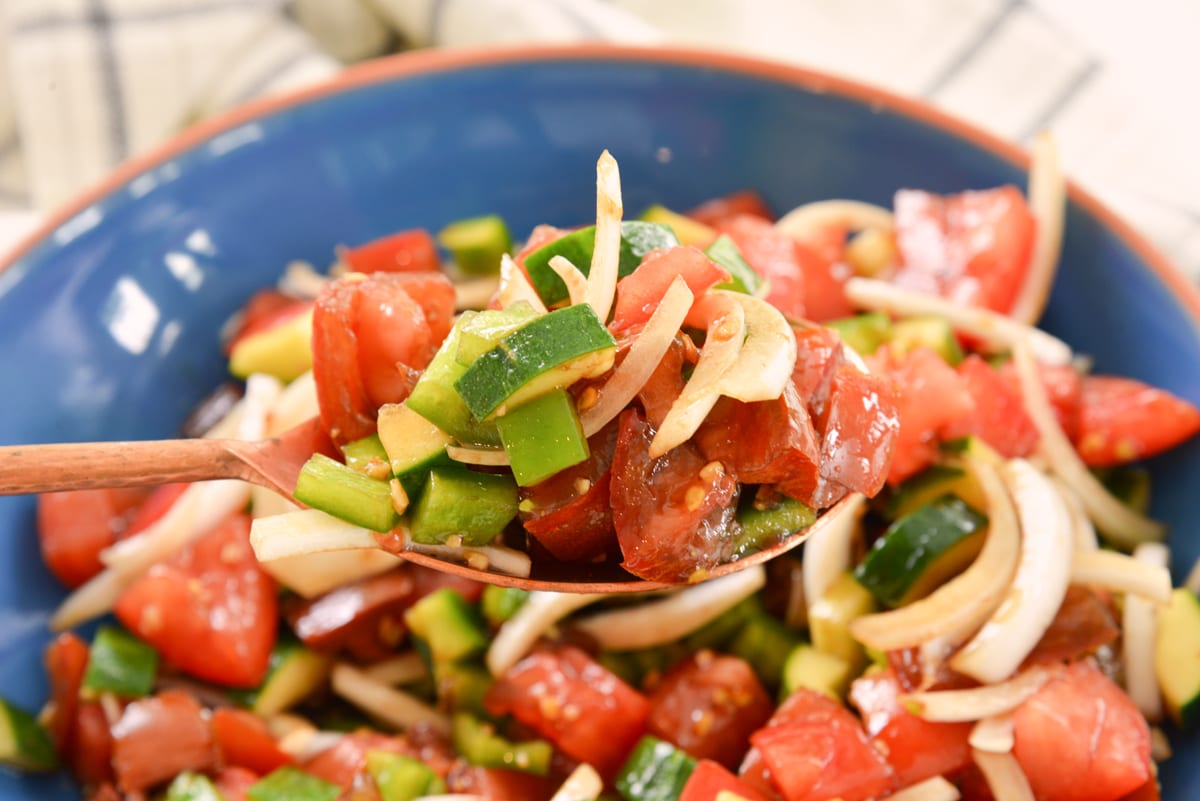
x=971, y=48
x=1063, y=98
x=58, y=21
x=100, y=22
x=437, y=12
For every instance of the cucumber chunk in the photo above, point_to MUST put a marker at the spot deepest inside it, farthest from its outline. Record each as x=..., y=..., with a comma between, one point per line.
x=542, y=437
x=829, y=619
x=479, y=744
x=934, y=333
x=498, y=603
x=458, y=502
x=283, y=350
x=367, y=456
x=807, y=667
x=413, y=445
x=294, y=674
x=447, y=625
x=435, y=398
x=742, y=277
x=477, y=243
x=765, y=642
x=655, y=771
x=189, y=786
x=1177, y=657
x=863, y=332
x=689, y=231
x=480, y=331
x=763, y=526
x=120, y=663
x=402, y=778
x=24, y=743
x=292, y=784
x=345, y=493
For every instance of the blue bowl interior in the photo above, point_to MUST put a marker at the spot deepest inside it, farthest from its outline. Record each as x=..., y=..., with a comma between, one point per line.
x=109, y=326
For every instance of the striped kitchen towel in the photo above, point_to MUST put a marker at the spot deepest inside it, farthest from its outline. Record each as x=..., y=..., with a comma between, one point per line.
x=85, y=84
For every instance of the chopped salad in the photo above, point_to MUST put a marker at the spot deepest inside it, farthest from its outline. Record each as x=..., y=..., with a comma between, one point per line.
x=984, y=612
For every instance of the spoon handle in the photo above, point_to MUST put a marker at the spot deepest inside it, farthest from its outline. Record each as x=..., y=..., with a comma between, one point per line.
x=88, y=465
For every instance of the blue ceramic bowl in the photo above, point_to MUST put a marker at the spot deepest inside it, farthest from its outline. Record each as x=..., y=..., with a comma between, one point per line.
x=109, y=317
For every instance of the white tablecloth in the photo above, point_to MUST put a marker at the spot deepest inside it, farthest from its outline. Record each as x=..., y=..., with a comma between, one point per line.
x=85, y=84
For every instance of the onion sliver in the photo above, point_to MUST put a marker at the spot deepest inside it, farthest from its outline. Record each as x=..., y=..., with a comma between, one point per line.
x=642, y=359
x=475, y=293
x=1083, y=532
x=829, y=551
x=539, y=612
x=993, y=329
x=1139, y=630
x=994, y=734
x=606, y=253
x=722, y=346
x=934, y=788
x=976, y=703
x=313, y=574
x=805, y=222
x=392, y=706
x=768, y=356
x=1146, y=577
x=960, y=605
x=301, y=280
x=488, y=457
x=1004, y=776
x=1039, y=585
x=498, y=558
x=1119, y=523
x=1048, y=203
x=576, y=281
x=664, y=621
x=584, y=784
x=515, y=287
x=303, y=532
x=403, y=669
x=297, y=402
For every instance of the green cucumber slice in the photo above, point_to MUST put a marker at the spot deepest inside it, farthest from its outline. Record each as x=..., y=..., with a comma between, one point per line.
x=637, y=239
x=477, y=243
x=24, y=743
x=120, y=663
x=457, y=502
x=345, y=493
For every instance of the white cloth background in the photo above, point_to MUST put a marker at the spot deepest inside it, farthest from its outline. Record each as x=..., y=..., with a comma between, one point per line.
x=85, y=84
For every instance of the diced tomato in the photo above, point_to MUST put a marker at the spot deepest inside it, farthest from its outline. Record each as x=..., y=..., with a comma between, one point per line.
x=365, y=618
x=91, y=757
x=1080, y=738
x=639, y=293
x=500, y=784
x=824, y=282
x=1147, y=792
x=828, y=242
x=1064, y=389
x=243, y=739
x=346, y=411
x=773, y=256
x=998, y=413
x=720, y=209
x=672, y=516
x=860, y=432
x=915, y=748
x=768, y=442
x=816, y=750
x=210, y=610
x=155, y=506
x=972, y=248
x=106, y=792
x=575, y=703
x=914, y=672
x=569, y=514
x=159, y=737
x=819, y=354
x=664, y=384
x=539, y=237
x=754, y=774
x=709, y=705
x=66, y=661
x=405, y=251
x=234, y=783
x=710, y=779
x=265, y=310
x=1122, y=420
x=392, y=335
x=348, y=757
x=930, y=396
x=75, y=526
x=1084, y=624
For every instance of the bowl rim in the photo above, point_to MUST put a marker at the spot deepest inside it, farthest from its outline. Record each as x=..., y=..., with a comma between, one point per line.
x=434, y=61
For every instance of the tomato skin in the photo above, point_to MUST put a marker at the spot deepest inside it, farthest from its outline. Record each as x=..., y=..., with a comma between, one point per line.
x=91, y=758
x=972, y=248
x=916, y=749
x=341, y=763
x=1080, y=738
x=998, y=413
x=210, y=610
x=500, y=784
x=824, y=282
x=861, y=432
x=639, y=293
x=721, y=209
x=710, y=778
x=66, y=661
x=664, y=384
x=1122, y=420
x=573, y=701
x=672, y=517
x=819, y=354
x=243, y=740
x=356, y=617
x=75, y=526
x=404, y=251
x=392, y=334
x=773, y=256
x=816, y=750
x=346, y=411
x=1084, y=624
x=159, y=737
x=709, y=705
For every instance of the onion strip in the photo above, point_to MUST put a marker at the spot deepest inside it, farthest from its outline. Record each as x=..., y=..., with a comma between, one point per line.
x=402, y=669
x=577, y=283
x=515, y=287
x=475, y=293
x=1146, y=577
x=768, y=355
x=584, y=784
x=1048, y=203
x=539, y=612
x=935, y=788
x=993, y=329
x=804, y=222
x=486, y=457
x=499, y=558
x=664, y=621
x=1083, y=532
x=1139, y=627
x=1122, y=525
x=606, y=252
x=829, y=549
x=305, y=531
x=960, y=605
x=976, y=703
x=392, y=706
x=1038, y=586
x=642, y=359
x=993, y=735
x=1004, y=776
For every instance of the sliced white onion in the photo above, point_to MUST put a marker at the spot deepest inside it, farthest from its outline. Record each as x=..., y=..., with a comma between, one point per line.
x=1139, y=630
x=392, y=706
x=535, y=617
x=726, y=333
x=1118, y=522
x=475, y=293
x=1193, y=579
x=262, y=393
x=606, y=253
x=768, y=356
x=515, y=287
x=1037, y=588
x=576, y=282
x=301, y=280
x=934, y=788
x=994, y=734
x=659, y=622
x=805, y=222
x=584, y=784
x=976, y=703
x=992, y=329
x=403, y=669
x=1004, y=776
x=960, y=605
x=643, y=357
x=1146, y=577
x=488, y=457
x=312, y=574
x=1048, y=204
x=304, y=744
x=296, y=403
x=829, y=550
x=306, y=531
x=1082, y=530
x=497, y=558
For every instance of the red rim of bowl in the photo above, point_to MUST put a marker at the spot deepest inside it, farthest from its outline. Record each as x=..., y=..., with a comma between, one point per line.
x=435, y=61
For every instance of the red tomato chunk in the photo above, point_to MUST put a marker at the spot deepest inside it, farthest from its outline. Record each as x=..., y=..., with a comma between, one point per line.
x=159, y=737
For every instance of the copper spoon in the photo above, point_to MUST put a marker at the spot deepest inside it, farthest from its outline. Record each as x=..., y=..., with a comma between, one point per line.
x=275, y=463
